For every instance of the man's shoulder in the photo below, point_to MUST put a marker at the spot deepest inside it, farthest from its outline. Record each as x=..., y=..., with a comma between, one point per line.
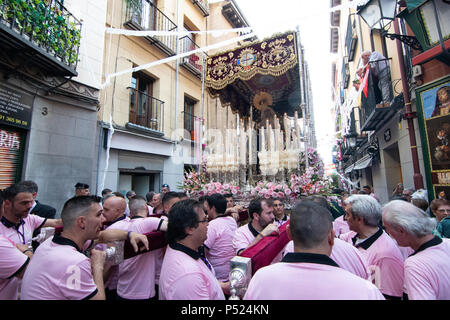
x=41, y=208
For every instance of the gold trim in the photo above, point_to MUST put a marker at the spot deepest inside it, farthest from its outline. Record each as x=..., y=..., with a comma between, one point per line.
x=425, y=119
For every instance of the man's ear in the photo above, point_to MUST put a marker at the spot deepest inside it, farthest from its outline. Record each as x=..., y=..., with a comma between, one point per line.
x=331, y=236
x=81, y=222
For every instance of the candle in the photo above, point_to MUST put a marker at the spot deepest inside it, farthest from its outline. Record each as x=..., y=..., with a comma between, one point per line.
x=286, y=130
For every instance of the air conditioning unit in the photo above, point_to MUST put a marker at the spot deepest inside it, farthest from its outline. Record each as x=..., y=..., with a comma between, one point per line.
x=417, y=71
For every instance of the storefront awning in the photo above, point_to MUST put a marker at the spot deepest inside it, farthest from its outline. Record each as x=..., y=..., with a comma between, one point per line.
x=363, y=163
x=349, y=168
x=412, y=4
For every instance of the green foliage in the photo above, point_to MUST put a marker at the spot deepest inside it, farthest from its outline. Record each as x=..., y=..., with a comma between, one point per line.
x=48, y=26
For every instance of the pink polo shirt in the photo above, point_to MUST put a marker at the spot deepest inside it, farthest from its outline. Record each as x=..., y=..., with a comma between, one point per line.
x=184, y=276
x=340, y=226
x=385, y=263
x=58, y=271
x=12, y=262
x=345, y=255
x=137, y=274
x=123, y=223
x=307, y=276
x=24, y=232
x=219, y=243
x=427, y=275
x=159, y=257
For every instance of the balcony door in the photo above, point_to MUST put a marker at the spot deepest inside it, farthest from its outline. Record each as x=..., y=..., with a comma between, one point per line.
x=149, y=14
x=189, y=109
x=141, y=104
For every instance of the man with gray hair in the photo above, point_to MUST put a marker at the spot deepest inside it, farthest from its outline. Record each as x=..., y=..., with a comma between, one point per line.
x=363, y=215
x=309, y=273
x=426, y=270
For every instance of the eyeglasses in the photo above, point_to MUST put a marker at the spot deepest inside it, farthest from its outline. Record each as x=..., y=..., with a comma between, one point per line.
x=204, y=220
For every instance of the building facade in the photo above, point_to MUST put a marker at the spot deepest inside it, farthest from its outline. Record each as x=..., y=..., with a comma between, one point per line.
x=375, y=136
x=151, y=121
x=50, y=71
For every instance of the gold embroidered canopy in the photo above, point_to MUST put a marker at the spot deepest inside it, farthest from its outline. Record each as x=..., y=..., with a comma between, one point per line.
x=263, y=71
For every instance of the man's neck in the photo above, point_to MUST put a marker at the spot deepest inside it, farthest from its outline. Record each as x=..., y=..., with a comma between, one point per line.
x=280, y=217
x=326, y=250
x=418, y=242
x=256, y=225
x=366, y=232
x=11, y=217
x=190, y=244
x=76, y=237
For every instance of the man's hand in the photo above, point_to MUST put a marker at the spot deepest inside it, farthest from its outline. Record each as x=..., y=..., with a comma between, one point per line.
x=136, y=238
x=272, y=227
x=225, y=287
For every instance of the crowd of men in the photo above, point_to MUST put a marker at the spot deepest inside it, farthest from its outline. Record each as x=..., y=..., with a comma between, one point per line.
x=350, y=248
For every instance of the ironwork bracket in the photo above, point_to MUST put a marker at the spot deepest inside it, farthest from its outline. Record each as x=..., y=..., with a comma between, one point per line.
x=408, y=40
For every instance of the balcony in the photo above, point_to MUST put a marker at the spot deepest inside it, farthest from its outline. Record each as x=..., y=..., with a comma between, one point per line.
x=41, y=32
x=380, y=105
x=146, y=113
x=193, y=63
x=203, y=5
x=143, y=15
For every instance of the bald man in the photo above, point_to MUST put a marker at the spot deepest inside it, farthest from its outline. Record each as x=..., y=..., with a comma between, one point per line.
x=114, y=213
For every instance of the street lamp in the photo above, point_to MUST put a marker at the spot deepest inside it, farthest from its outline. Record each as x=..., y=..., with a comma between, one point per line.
x=378, y=14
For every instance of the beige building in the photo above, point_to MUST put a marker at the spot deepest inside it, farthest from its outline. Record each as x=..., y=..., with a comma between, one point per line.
x=373, y=145
x=151, y=120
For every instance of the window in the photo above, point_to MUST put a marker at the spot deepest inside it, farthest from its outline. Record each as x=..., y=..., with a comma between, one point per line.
x=189, y=109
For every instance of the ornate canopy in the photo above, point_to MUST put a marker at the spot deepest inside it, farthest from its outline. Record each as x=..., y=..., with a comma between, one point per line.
x=264, y=73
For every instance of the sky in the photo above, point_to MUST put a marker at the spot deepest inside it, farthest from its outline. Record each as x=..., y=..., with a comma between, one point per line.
x=269, y=17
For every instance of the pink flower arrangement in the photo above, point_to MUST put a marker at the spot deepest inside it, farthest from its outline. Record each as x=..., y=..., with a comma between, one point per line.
x=217, y=187
x=271, y=190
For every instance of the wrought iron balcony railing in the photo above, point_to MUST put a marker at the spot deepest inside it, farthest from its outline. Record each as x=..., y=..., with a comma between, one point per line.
x=146, y=111
x=193, y=62
x=144, y=15
x=42, y=29
x=379, y=104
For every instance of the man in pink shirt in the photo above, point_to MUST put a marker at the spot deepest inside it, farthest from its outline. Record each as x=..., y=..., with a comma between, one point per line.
x=186, y=274
x=136, y=275
x=426, y=270
x=14, y=259
x=59, y=269
x=309, y=273
x=114, y=208
x=16, y=224
x=345, y=255
x=261, y=225
x=363, y=215
x=221, y=228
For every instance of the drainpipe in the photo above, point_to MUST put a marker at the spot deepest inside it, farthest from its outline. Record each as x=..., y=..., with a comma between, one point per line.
x=408, y=114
